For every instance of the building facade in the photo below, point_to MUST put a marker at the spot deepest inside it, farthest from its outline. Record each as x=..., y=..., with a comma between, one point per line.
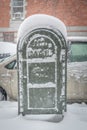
x=12, y=13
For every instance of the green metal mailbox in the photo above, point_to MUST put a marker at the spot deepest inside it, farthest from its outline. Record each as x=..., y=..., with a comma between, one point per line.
x=42, y=70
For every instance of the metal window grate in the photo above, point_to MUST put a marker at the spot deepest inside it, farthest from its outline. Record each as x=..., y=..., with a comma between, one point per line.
x=17, y=9
x=8, y=36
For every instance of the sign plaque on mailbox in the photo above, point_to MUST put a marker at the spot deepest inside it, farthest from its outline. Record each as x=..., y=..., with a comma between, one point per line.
x=42, y=72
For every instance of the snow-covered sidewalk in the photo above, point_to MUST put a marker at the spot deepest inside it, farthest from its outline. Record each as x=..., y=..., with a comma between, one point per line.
x=74, y=119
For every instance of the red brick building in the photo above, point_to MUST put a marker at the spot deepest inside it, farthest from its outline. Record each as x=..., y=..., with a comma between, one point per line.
x=72, y=12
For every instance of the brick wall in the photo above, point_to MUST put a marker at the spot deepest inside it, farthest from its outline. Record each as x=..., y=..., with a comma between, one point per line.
x=4, y=13
x=71, y=12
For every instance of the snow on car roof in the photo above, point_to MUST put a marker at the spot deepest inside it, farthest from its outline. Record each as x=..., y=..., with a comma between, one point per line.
x=77, y=38
x=38, y=21
x=7, y=47
x=8, y=58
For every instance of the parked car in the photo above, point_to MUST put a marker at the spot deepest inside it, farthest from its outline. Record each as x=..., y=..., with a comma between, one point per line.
x=8, y=78
x=77, y=69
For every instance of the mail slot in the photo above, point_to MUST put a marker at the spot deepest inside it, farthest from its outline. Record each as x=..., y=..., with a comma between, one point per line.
x=42, y=69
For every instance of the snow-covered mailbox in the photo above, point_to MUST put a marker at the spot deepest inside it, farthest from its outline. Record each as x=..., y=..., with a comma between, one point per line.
x=42, y=65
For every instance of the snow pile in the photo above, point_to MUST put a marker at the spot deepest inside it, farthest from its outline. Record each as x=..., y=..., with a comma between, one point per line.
x=77, y=70
x=49, y=84
x=7, y=47
x=40, y=21
x=74, y=119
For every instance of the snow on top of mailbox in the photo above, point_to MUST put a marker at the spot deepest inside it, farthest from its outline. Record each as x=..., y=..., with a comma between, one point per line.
x=38, y=21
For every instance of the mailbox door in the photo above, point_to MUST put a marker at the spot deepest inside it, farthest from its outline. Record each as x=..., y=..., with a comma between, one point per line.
x=41, y=74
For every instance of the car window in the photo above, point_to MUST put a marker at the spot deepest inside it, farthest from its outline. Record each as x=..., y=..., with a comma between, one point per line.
x=11, y=65
x=78, y=52
x=15, y=66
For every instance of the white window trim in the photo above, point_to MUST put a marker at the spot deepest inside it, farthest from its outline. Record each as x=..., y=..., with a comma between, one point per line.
x=24, y=12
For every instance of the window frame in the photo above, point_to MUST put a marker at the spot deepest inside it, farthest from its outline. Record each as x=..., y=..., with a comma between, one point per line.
x=72, y=41
x=21, y=15
x=8, y=36
x=13, y=66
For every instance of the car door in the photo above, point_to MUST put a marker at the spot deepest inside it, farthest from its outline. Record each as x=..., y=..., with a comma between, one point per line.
x=5, y=79
x=14, y=89
x=11, y=77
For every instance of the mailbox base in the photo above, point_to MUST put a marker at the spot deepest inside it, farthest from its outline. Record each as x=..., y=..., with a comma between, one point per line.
x=46, y=117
